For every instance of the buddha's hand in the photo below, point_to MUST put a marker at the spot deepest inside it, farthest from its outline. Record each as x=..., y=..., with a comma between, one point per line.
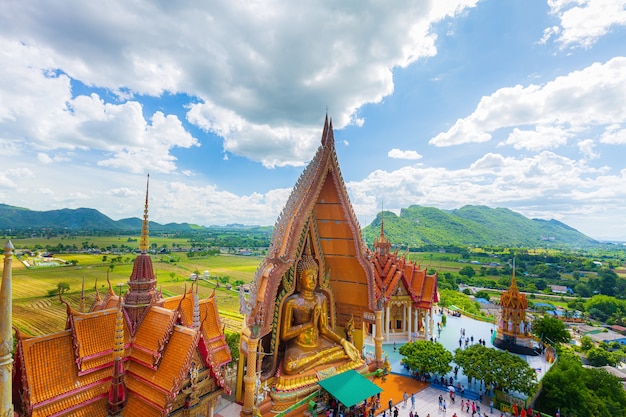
x=352, y=352
x=317, y=313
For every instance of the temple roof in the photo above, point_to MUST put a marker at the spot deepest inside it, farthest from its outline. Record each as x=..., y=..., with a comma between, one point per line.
x=513, y=298
x=318, y=206
x=71, y=372
x=392, y=270
x=72, y=369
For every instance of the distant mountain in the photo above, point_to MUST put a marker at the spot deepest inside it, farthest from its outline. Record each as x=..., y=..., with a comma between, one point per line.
x=472, y=225
x=84, y=219
x=416, y=226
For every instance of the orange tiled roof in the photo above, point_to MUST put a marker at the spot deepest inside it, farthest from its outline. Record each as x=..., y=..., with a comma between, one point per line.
x=94, y=335
x=391, y=270
x=153, y=334
x=171, y=371
x=185, y=305
x=136, y=407
x=52, y=375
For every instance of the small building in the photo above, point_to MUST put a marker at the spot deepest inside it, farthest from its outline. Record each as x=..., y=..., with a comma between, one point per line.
x=618, y=329
x=558, y=289
x=608, y=337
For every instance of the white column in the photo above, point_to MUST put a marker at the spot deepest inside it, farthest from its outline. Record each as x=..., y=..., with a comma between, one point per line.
x=6, y=334
x=410, y=323
x=426, y=324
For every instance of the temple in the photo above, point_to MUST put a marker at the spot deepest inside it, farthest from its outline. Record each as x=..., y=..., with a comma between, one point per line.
x=404, y=292
x=320, y=289
x=513, y=332
x=133, y=355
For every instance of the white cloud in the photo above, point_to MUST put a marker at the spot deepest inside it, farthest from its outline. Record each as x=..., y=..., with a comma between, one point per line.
x=614, y=135
x=44, y=158
x=271, y=67
x=583, y=22
x=545, y=185
x=561, y=109
x=398, y=154
x=543, y=137
x=586, y=148
x=37, y=111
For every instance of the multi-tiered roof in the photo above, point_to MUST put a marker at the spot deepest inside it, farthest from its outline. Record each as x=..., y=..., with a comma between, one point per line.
x=138, y=355
x=392, y=270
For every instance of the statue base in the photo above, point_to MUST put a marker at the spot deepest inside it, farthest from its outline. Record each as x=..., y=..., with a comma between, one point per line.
x=520, y=346
x=290, y=389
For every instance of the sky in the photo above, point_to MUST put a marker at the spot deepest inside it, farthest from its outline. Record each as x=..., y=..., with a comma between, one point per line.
x=518, y=104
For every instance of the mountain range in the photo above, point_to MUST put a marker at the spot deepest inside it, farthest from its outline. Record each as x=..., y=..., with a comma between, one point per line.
x=418, y=226
x=415, y=226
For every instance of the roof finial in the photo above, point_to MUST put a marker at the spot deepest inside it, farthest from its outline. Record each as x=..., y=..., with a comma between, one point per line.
x=117, y=390
x=513, y=281
x=382, y=219
x=325, y=131
x=82, y=296
x=196, y=307
x=143, y=241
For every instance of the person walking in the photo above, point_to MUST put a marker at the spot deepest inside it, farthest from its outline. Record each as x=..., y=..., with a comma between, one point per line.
x=390, y=405
x=412, y=401
x=405, y=397
x=491, y=405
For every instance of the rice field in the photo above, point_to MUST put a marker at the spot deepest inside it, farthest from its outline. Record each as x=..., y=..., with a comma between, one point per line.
x=35, y=312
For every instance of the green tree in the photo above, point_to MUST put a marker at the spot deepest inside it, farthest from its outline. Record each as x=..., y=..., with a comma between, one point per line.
x=426, y=356
x=586, y=343
x=580, y=392
x=232, y=339
x=482, y=294
x=608, y=281
x=496, y=368
x=63, y=287
x=600, y=357
x=551, y=329
x=467, y=271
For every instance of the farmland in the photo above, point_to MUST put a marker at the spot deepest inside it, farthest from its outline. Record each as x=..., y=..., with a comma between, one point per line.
x=35, y=312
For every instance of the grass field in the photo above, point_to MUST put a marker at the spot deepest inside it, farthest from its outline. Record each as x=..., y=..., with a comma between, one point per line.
x=37, y=313
x=99, y=241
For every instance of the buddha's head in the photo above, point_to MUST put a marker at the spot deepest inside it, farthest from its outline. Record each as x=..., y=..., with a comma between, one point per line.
x=306, y=273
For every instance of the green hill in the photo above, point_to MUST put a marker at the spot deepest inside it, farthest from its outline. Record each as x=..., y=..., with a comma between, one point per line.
x=472, y=225
x=83, y=219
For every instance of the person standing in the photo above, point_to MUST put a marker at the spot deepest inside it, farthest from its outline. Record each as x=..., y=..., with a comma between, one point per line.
x=390, y=405
x=405, y=397
x=412, y=401
x=491, y=405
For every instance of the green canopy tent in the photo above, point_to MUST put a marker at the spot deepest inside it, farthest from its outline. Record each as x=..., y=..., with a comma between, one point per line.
x=350, y=387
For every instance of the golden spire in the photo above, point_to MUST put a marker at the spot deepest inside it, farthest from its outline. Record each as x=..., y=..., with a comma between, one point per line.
x=6, y=334
x=513, y=287
x=118, y=346
x=143, y=241
x=196, y=307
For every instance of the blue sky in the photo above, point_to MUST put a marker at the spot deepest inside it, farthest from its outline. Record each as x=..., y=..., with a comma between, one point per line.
x=517, y=104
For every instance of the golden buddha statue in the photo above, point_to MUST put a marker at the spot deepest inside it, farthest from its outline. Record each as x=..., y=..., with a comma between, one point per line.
x=309, y=340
